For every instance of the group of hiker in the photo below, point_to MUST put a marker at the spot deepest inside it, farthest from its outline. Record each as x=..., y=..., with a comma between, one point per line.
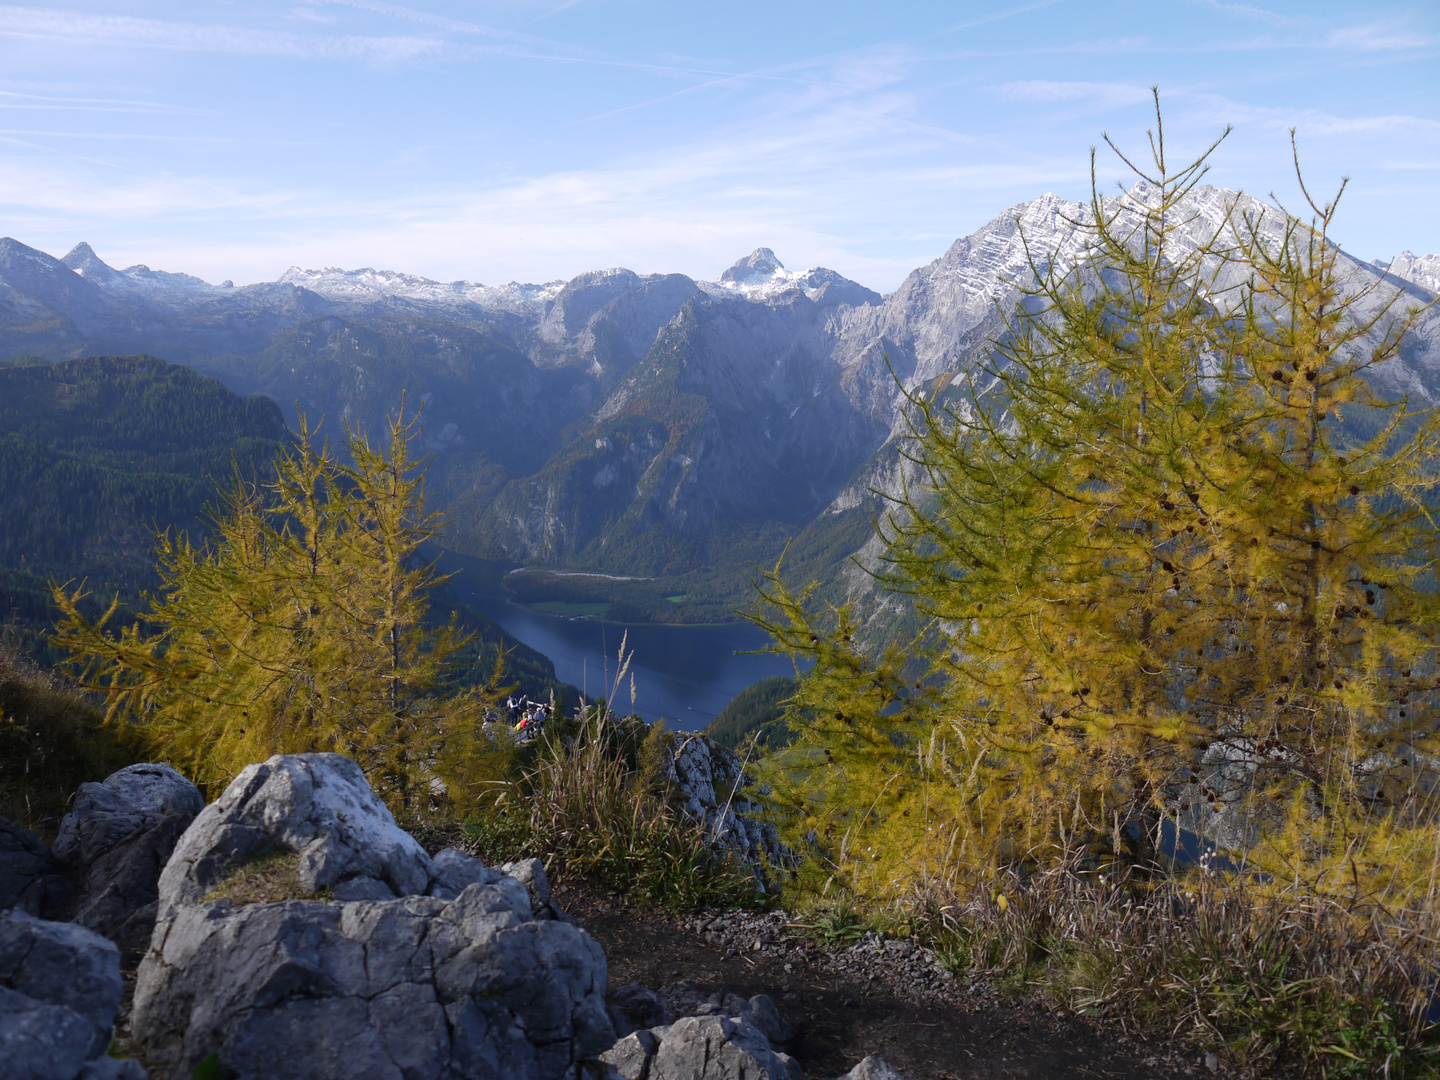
x=521, y=715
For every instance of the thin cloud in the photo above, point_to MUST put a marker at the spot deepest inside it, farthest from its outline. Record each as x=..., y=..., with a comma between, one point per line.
x=1378, y=37
x=14, y=99
x=1217, y=109
x=1044, y=92
x=70, y=27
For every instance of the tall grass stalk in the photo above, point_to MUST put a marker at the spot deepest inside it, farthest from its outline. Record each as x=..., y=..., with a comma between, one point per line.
x=595, y=802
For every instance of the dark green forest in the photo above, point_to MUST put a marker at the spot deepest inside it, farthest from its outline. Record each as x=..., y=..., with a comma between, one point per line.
x=758, y=709
x=97, y=455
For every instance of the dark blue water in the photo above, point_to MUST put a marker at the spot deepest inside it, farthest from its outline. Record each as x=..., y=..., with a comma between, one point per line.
x=685, y=674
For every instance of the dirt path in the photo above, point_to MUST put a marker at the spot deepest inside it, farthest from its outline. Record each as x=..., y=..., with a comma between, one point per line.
x=866, y=1000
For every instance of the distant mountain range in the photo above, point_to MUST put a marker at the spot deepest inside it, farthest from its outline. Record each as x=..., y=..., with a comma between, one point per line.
x=661, y=430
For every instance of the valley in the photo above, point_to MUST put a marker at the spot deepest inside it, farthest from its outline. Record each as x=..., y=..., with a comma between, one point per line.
x=670, y=433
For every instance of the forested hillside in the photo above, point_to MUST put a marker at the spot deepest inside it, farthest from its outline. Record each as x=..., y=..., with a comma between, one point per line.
x=98, y=454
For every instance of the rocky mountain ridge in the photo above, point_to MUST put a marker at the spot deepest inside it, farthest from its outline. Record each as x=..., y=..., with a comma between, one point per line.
x=650, y=425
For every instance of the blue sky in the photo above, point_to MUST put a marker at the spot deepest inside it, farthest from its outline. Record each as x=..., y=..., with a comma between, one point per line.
x=526, y=140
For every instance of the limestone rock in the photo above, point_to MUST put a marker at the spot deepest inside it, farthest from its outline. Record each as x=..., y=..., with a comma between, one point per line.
x=630, y=1057
x=133, y=799
x=712, y=782
x=31, y=878
x=453, y=871
x=686, y=998
x=418, y=987
x=118, y=837
x=531, y=874
x=634, y=1006
x=719, y=1048
x=59, y=989
x=872, y=1068
x=316, y=805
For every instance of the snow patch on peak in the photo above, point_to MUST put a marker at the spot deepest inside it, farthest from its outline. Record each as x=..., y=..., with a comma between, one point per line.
x=83, y=260
x=1423, y=270
x=368, y=286
x=759, y=267
x=761, y=277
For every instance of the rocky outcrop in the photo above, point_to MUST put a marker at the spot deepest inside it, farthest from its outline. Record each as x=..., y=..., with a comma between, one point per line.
x=31, y=878
x=683, y=1032
x=712, y=781
x=59, y=989
x=399, y=965
x=419, y=987
x=686, y=1034
x=317, y=806
x=118, y=837
x=872, y=1068
x=718, y=1048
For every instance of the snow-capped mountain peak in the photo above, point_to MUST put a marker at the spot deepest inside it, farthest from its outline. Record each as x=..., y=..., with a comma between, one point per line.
x=368, y=285
x=759, y=267
x=761, y=276
x=1423, y=270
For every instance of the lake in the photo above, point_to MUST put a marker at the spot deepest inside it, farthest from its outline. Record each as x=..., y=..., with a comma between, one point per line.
x=685, y=674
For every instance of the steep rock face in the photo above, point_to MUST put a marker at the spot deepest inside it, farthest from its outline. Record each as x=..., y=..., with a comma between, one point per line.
x=1423, y=270
x=735, y=414
x=711, y=780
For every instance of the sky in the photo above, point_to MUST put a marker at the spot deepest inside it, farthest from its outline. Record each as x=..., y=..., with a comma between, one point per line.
x=500, y=140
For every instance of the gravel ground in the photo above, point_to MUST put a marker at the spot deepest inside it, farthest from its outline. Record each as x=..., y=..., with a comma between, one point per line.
x=876, y=996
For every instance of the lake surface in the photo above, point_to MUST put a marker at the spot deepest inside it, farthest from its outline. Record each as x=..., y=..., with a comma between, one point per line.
x=685, y=674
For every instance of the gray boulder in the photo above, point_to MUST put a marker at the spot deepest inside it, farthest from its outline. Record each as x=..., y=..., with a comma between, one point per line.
x=687, y=998
x=318, y=806
x=719, y=1036
x=452, y=871
x=634, y=1006
x=31, y=878
x=136, y=798
x=420, y=987
x=872, y=1068
x=718, y=1048
x=118, y=836
x=630, y=1057
x=59, y=989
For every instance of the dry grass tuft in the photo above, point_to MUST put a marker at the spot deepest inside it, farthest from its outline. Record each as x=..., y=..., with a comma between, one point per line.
x=1276, y=982
x=266, y=880
x=590, y=805
x=52, y=740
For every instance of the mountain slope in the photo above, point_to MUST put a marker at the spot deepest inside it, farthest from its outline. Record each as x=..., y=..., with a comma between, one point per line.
x=642, y=426
x=97, y=454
